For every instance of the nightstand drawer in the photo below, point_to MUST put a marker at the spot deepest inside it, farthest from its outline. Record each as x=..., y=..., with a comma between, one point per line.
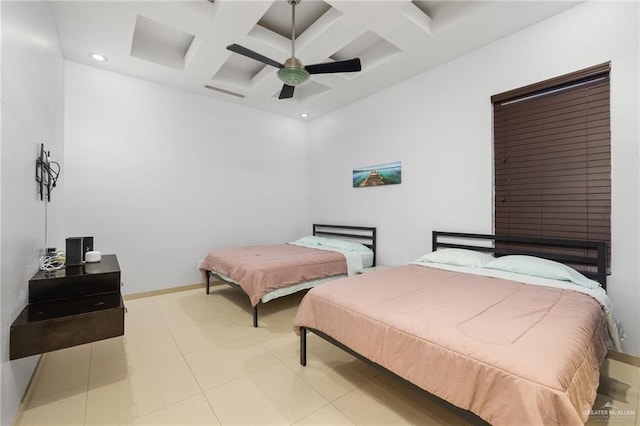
x=48, y=326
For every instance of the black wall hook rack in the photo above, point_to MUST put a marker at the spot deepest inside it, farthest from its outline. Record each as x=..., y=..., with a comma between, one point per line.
x=47, y=173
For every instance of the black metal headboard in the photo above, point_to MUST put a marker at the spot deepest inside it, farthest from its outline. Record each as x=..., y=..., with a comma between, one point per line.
x=365, y=235
x=591, y=263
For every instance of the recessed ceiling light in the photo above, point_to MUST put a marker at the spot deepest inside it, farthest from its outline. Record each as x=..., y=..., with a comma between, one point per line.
x=98, y=57
x=304, y=115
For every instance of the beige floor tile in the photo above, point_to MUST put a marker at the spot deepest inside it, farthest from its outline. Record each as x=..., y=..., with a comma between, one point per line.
x=64, y=408
x=277, y=312
x=178, y=319
x=196, y=337
x=143, y=391
x=621, y=371
x=619, y=382
x=271, y=396
x=283, y=346
x=322, y=350
x=618, y=395
x=386, y=401
x=638, y=410
x=175, y=296
x=189, y=308
x=228, y=360
x=109, y=356
x=63, y=370
x=274, y=317
x=194, y=295
x=608, y=412
x=282, y=308
x=327, y=415
x=234, y=303
x=142, y=306
x=268, y=330
x=193, y=411
x=139, y=324
x=269, y=327
x=109, y=362
x=329, y=370
x=223, y=293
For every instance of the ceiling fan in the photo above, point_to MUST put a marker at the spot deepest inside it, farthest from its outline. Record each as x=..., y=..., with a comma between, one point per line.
x=293, y=72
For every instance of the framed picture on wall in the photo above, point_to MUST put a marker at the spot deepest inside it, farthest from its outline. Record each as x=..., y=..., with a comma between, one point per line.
x=378, y=175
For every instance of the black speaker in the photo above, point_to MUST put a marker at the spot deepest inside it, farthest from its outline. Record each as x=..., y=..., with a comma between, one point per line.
x=73, y=251
x=87, y=245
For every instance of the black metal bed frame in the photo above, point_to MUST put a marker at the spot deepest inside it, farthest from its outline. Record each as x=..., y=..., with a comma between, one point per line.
x=365, y=235
x=467, y=415
x=595, y=255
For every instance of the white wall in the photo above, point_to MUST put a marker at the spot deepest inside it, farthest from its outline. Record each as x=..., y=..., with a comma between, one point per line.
x=439, y=125
x=32, y=113
x=161, y=176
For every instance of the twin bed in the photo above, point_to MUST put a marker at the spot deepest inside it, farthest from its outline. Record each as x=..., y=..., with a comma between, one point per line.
x=267, y=272
x=513, y=339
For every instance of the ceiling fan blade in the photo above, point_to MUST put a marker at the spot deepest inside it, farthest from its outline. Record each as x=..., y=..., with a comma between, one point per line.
x=351, y=65
x=253, y=55
x=286, y=92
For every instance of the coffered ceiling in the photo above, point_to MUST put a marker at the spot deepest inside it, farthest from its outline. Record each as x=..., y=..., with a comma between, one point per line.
x=183, y=43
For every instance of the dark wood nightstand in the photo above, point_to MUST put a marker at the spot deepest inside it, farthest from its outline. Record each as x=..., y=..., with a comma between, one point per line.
x=69, y=307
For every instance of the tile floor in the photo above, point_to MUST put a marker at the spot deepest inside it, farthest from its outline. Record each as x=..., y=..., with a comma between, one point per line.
x=194, y=359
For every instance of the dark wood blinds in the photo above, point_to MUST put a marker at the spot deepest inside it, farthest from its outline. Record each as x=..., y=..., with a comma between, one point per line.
x=552, y=154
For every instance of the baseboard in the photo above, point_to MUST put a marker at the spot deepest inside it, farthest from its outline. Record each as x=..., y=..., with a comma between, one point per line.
x=624, y=357
x=26, y=398
x=163, y=291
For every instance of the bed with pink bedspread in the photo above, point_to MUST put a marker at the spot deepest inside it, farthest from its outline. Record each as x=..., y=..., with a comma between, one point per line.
x=513, y=353
x=265, y=272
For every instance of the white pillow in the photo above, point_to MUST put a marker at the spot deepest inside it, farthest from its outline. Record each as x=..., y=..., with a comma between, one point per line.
x=309, y=241
x=343, y=245
x=458, y=257
x=538, y=267
x=332, y=243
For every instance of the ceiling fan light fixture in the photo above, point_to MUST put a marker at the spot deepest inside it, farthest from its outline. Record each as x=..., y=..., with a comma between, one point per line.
x=293, y=72
x=293, y=76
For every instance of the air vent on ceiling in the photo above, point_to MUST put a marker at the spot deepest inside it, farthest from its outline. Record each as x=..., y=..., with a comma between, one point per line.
x=226, y=92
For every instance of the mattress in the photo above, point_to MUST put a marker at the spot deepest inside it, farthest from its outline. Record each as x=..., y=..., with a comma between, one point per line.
x=510, y=352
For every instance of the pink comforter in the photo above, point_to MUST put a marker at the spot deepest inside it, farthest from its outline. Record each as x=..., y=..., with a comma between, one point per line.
x=261, y=269
x=512, y=353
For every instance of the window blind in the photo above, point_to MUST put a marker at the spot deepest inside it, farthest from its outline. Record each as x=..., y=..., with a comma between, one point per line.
x=552, y=158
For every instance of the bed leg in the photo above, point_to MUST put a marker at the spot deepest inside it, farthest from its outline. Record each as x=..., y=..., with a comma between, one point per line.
x=208, y=278
x=255, y=316
x=303, y=346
